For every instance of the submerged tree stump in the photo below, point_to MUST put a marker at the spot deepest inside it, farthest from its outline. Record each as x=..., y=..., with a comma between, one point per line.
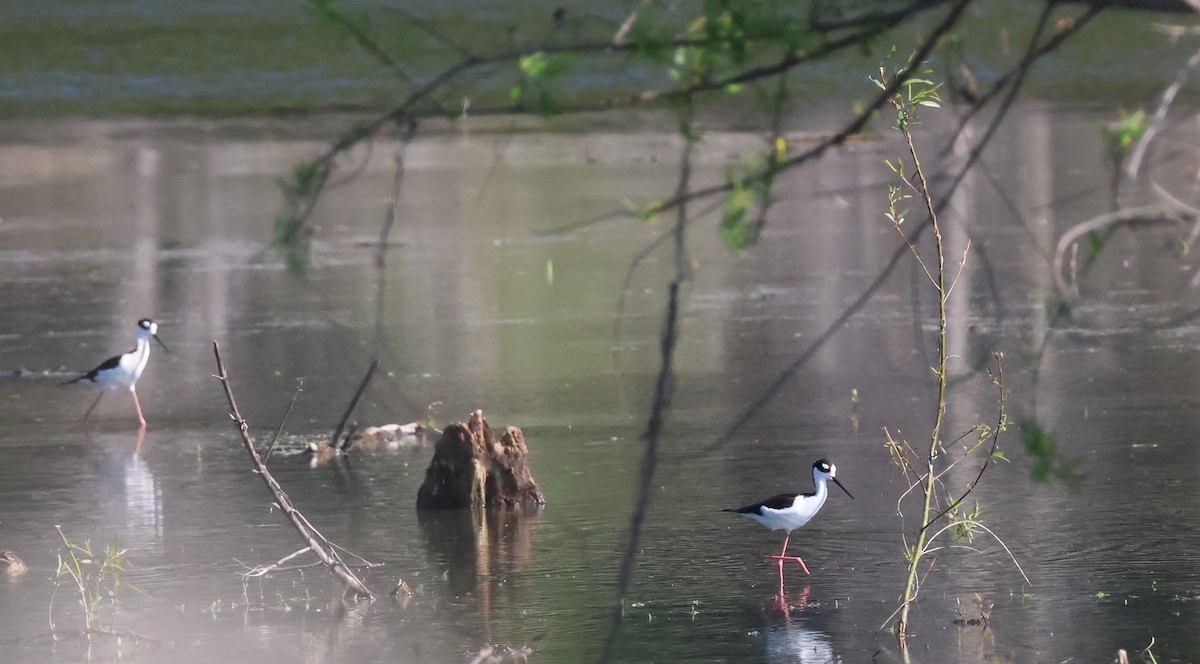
x=471, y=468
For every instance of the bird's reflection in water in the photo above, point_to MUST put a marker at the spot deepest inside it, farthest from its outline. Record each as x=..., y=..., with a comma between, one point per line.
x=129, y=492
x=143, y=499
x=790, y=637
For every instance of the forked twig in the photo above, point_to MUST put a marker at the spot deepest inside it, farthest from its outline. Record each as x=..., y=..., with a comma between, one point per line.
x=316, y=541
x=263, y=570
x=961, y=266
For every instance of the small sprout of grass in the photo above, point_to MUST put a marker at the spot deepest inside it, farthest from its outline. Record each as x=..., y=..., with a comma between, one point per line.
x=1100, y=594
x=695, y=610
x=96, y=579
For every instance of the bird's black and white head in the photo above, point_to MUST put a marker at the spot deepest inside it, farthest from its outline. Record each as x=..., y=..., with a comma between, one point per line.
x=823, y=471
x=147, y=329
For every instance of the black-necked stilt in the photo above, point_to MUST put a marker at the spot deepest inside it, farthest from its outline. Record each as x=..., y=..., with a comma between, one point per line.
x=789, y=511
x=124, y=370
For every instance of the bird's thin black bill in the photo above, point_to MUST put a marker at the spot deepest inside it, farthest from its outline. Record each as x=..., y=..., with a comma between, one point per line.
x=164, y=346
x=835, y=481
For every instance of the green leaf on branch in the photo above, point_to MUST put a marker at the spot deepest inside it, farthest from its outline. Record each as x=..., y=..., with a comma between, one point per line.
x=647, y=212
x=539, y=65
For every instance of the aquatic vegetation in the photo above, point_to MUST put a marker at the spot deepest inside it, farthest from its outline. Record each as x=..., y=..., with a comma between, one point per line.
x=94, y=577
x=926, y=469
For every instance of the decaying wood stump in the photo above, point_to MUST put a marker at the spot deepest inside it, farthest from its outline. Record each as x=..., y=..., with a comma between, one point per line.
x=471, y=468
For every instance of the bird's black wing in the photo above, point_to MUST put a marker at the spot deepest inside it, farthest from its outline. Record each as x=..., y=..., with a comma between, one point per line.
x=779, y=502
x=110, y=363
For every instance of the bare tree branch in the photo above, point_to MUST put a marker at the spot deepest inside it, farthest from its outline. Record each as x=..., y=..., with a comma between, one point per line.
x=316, y=541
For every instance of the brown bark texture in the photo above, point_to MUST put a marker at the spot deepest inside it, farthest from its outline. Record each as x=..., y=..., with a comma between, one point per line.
x=471, y=467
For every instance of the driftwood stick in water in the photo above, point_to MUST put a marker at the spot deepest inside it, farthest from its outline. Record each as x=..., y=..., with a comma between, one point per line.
x=362, y=387
x=315, y=540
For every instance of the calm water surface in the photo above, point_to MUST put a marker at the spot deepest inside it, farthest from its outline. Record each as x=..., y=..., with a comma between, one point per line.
x=481, y=306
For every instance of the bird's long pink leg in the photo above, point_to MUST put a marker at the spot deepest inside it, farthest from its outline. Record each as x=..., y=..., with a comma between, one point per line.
x=143, y=419
x=88, y=414
x=783, y=556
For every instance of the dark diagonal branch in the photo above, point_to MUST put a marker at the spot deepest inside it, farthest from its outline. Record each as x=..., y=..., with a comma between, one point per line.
x=421, y=103
x=664, y=389
x=857, y=305
x=1013, y=78
x=853, y=127
x=323, y=548
x=330, y=13
x=362, y=387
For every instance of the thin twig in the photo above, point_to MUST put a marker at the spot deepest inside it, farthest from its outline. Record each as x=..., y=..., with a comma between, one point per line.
x=850, y=129
x=1134, y=162
x=961, y=266
x=1015, y=76
x=263, y=570
x=994, y=435
x=978, y=524
x=361, y=37
x=899, y=454
x=283, y=420
x=424, y=25
x=409, y=110
x=627, y=24
x=362, y=387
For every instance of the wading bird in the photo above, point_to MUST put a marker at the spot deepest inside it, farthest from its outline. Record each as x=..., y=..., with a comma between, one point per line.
x=124, y=370
x=789, y=511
